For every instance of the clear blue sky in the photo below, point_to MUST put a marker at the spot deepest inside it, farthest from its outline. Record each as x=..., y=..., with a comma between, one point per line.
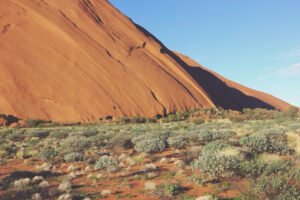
x=253, y=42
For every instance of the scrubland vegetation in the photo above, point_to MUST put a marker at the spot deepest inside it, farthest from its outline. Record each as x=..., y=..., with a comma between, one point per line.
x=202, y=155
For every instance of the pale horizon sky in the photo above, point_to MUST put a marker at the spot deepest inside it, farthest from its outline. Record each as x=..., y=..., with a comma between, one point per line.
x=253, y=42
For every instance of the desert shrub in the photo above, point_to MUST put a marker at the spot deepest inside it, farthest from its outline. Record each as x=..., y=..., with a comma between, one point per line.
x=198, y=121
x=277, y=187
x=120, y=140
x=8, y=150
x=149, y=144
x=108, y=163
x=203, y=137
x=208, y=136
x=273, y=141
x=59, y=134
x=294, y=127
x=48, y=153
x=214, y=147
x=100, y=140
x=74, y=144
x=295, y=174
x=139, y=120
x=177, y=142
x=257, y=143
x=190, y=155
x=276, y=179
x=2, y=142
x=4, y=132
x=186, y=197
x=38, y=133
x=253, y=168
x=168, y=190
x=292, y=112
x=16, y=136
x=36, y=122
x=237, y=118
x=29, y=192
x=73, y=157
x=162, y=134
x=175, y=117
x=83, y=133
x=31, y=142
x=274, y=167
x=216, y=165
x=125, y=120
x=89, y=133
x=76, y=133
x=257, y=167
x=257, y=114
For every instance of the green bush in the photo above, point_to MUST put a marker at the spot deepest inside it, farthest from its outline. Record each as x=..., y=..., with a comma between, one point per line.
x=292, y=112
x=257, y=167
x=277, y=187
x=8, y=150
x=48, y=153
x=149, y=144
x=272, y=141
x=178, y=142
x=100, y=140
x=73, y=157
x=110, y=164
x=38, y=133
x=186, y=197
x=59, y=134
x=36, y=122
x=16, y=136
x=31, y=142
x=276, y=180
x=217, y=166
x=75, y=144
x=208, y=136
x=253, y=168
x=139, y=120
x=120, y=140
x=295, y=174
x=198, y=121
x=136, y=120
x=274, y=167
x=168, y=190
x=89, y=133
x=214, y=147
x=175, y=117
x=171, y=189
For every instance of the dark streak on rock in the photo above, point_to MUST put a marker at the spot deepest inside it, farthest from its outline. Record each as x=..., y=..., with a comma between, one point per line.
x=65, y=16
x=5, y=28
x=90, y=10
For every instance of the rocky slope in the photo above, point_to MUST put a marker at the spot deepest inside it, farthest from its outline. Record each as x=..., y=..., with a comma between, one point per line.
x=79, y=60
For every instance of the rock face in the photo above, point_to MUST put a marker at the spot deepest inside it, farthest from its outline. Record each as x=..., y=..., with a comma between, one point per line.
x=80, y=60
